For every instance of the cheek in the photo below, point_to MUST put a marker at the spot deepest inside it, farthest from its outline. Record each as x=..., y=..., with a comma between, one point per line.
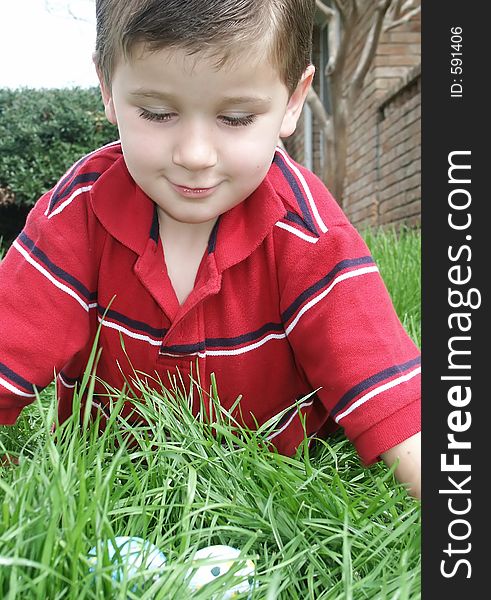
x=141, y=146
x=257, y=149
x=244, y=163
x=250, y=171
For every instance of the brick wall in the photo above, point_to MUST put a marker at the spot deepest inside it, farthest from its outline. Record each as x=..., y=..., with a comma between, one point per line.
x=399, y=161
x=383, y=161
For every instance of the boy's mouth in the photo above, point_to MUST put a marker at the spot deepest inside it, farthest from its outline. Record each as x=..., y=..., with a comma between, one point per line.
x=194, y=192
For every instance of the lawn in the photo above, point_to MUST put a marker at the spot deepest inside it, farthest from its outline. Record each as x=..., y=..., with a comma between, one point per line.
x=317, y=526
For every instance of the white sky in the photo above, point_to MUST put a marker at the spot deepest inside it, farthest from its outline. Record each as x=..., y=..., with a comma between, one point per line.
x=42, y=45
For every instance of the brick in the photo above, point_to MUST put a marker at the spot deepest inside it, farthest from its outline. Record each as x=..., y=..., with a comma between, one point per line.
x=390, y=71
x=409, y=38
x=362, y=218
x=388, y=173
x=389, y=196
x=405, y=210
x=387, y=207
x=385, y=48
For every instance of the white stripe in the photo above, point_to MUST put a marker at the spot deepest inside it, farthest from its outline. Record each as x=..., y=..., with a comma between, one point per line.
x=16, y=391
x=136, y=336
x=318, y=298
x=63, y=205
x=272, y=336
x=297, y=232
x=67, y=385
x=306, y=188
x=199, y=354
x=376, y=391
x=273, y=435
x=54, y=281
x=279, y=336
x=248, y=348
x=235, y=352
x=74, y=167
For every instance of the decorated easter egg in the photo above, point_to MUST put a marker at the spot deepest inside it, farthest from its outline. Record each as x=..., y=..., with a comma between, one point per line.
x=128, y=555
x=215, y=562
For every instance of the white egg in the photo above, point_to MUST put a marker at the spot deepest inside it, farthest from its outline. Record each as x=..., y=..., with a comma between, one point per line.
x=219, y=560
x=128, y=554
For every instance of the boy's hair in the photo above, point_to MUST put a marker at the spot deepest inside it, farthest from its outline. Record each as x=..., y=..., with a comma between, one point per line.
x=225, y=29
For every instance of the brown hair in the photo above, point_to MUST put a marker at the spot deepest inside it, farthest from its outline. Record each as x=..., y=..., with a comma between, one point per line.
x=222, y=28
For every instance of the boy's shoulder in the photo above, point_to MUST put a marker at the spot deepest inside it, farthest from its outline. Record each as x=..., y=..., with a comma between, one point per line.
x=82, y=176
x=312, y=233
x=97, y=193
x=310, y=209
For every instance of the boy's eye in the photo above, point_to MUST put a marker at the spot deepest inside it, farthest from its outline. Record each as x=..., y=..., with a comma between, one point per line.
x=238, y=121
x=241, y=121
x=151, y=116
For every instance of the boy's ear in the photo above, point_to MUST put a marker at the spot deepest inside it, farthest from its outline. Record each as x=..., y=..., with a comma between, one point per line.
x=107, y=98
x=296, y=102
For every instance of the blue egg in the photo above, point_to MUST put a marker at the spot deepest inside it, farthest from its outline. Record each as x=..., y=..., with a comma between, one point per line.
x=129, y=555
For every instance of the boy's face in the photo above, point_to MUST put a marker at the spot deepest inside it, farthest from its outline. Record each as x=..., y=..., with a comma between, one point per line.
x=196, y=139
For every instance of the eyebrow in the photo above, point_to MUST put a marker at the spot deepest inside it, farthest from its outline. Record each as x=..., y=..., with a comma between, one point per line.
x=256, y=100
x=227, y=100
x=143, y=93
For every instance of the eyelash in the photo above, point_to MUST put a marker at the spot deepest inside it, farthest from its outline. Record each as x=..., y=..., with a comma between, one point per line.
x=239, y=121
x=229, y=121
x=150, y=116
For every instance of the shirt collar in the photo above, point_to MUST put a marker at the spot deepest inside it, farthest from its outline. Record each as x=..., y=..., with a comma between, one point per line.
x=243, y=228
x=123, y=209
x=130, y=216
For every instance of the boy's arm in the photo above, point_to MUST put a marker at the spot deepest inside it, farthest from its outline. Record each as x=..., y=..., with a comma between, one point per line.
x=408, y=471
x=351, y=345
x=46, y=296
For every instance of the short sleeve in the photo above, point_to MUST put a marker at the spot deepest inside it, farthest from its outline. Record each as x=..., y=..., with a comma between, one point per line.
x=348, y=340
x=47, y=293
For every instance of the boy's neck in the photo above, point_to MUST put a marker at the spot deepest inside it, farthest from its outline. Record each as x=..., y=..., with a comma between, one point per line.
x=192, y=235
x=184, y=245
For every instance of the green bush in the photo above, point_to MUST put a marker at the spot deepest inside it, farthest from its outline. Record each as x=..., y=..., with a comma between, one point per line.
x=42, y=133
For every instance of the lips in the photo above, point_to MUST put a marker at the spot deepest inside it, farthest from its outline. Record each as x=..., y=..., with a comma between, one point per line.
x=194, y=192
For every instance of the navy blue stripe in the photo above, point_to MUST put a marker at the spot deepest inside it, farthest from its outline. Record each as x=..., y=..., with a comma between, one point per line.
x=184, y=348
x=137, y=325
x=83, y=178
x=55, y=270
x=154, y=230
x=296, y=190
x=62, y=183
x=212, y=242
x=69, y=380
x=313, y=289
x=295, y=408
x=221, y=343
x=294, y=218
x=15, y=378
x=370, y=381
x=218, y=343
x=285, y=418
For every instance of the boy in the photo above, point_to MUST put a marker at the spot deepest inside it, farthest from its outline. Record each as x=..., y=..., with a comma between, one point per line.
x=197, y=240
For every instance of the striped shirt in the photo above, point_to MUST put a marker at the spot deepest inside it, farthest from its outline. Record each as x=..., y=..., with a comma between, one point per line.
x=288, y=310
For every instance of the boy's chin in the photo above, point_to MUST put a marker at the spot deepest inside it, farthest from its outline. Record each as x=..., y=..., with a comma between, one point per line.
x=192, y=218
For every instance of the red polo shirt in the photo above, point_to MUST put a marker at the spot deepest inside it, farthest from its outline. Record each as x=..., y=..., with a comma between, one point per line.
x=287, y=301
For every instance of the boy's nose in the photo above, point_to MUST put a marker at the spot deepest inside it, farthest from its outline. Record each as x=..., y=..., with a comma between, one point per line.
x=195, y=150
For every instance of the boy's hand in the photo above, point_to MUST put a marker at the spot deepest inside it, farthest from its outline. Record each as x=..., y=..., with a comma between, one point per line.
x=408, y=470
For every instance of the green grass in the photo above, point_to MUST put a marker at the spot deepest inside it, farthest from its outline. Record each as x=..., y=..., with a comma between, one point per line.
x=398, y=256
x=317, y=526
